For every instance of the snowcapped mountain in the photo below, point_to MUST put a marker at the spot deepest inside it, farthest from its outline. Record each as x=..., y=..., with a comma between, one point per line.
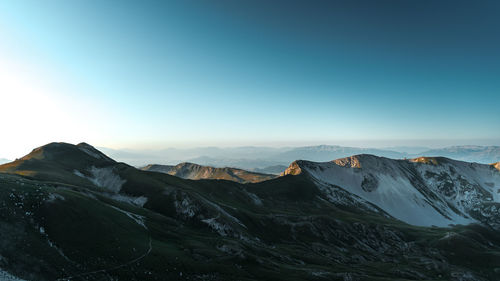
x=423, y=191
x=195, y=172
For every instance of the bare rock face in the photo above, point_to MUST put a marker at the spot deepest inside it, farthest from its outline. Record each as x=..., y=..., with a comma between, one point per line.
x=294, y=169
x=425, y=160
x=352, y=162
x=369, y=183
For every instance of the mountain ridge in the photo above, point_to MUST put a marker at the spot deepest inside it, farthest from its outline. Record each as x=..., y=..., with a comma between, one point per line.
x=448, y=191
x=193, y=171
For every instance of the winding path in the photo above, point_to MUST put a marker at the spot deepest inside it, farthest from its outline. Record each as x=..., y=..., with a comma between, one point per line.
x=150, y=248
x=112, y=268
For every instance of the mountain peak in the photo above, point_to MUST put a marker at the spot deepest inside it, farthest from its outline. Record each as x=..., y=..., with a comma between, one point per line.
x=57, y=156
x=61, y=150
x=294, y=168
x=188, y=165
x=426, y=160
x=357, y=161
x=351, y=161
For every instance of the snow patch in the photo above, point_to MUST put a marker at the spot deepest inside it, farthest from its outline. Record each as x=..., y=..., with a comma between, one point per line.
x=185, y=207
x=137, y=201
x=53, y=197
x=255, y=199
x=90, y=152
x=137, y=218
x=224, y=212
x=396, y=193
x=221, y=228
x=106, y=178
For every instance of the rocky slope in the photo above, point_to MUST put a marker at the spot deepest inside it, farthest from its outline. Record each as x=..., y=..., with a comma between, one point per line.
x=422, y=191
x=196, y=172
x=70, y=213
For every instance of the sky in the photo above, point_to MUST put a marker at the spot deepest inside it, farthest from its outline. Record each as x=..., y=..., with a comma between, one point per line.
x=156, y=74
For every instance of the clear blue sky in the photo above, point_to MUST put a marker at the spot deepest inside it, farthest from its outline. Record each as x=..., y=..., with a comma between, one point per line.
x=188, y=73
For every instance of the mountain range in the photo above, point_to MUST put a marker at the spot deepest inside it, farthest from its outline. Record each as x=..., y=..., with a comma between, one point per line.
x=265, y=159
x=470, y=153
x=70, y=212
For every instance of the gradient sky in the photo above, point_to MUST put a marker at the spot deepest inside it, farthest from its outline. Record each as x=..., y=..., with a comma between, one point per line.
x=144, y=74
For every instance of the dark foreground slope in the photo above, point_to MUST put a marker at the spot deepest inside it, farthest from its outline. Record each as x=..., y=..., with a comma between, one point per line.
x=196, y=172
x=70, y=213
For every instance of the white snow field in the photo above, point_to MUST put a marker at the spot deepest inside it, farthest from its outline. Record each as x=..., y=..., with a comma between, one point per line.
x=423, y=194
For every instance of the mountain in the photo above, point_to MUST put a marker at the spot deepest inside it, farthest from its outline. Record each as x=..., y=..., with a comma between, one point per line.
x=251, y=158
x=69, y=212
x=241, y=163
x=426, y=191
x=407, y=149
x=3, y=161
x=469, y=153
x=275, y=170
x=241, y=157
x=327, y=152
x=195, y=172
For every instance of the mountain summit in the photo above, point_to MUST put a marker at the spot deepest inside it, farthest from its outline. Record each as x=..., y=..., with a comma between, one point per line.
x=57, y=160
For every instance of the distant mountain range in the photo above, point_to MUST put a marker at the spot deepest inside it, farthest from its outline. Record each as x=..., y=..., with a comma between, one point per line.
x=274, y=170
x=331, y=152
x=258, y=158
x=71, y=212
x=3, y=160
x=195, y=172
x=469, y=153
